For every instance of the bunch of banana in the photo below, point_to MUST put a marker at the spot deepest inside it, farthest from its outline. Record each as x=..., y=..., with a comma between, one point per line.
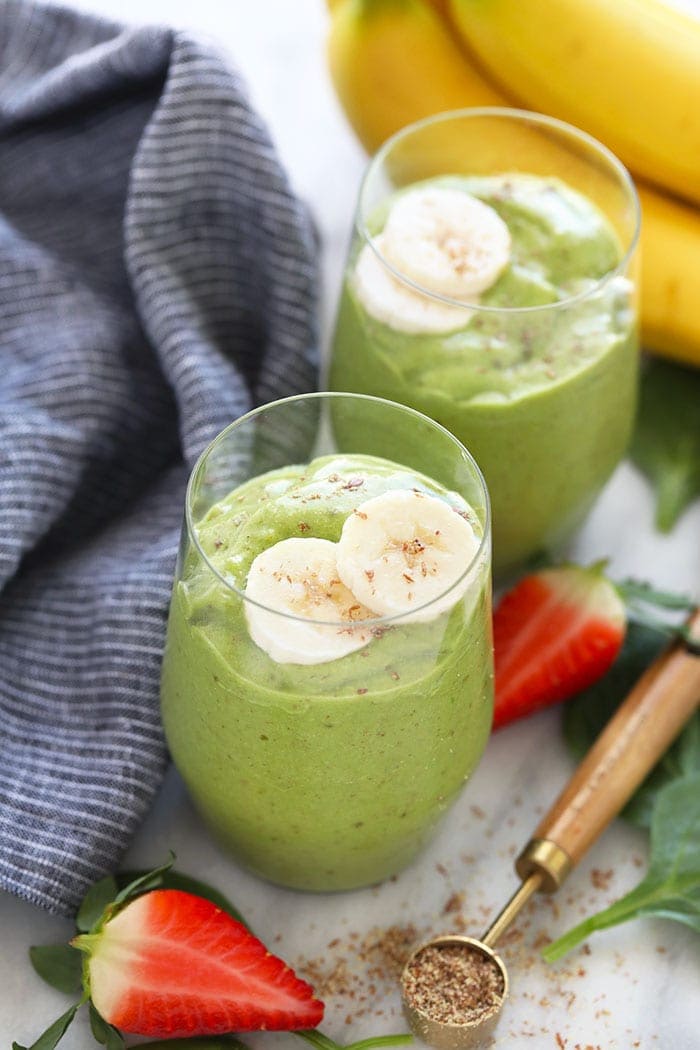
x=626, y=71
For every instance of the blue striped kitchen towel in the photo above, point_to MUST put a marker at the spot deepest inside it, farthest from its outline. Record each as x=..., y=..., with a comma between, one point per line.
x=157, y=279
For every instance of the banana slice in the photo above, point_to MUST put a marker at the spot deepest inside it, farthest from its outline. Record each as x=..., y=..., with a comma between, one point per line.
x=393, y=303
x=447, y=241
x=403, y=549
x=299, y=577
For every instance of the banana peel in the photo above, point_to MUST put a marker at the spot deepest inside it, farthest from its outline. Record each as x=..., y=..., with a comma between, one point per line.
x=626, y=71
x=393, y=62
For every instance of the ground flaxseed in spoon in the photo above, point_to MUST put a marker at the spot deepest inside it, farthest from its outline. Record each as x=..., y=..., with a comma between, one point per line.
x=453, y=984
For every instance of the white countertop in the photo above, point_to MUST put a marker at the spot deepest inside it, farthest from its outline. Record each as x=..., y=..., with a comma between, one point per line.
x=634, y=986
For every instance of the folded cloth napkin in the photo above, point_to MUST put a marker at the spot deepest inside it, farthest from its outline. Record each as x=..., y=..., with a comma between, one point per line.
x=156, y=281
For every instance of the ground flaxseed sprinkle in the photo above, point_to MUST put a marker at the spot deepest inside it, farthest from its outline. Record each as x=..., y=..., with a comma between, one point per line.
x=453, y=984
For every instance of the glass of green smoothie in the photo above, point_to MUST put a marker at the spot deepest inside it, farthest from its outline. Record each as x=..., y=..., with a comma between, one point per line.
x=491, y=284
x=327, y=683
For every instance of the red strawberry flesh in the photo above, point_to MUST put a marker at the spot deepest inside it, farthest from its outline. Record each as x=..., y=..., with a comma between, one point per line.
x=172, y=964
x=555, y=634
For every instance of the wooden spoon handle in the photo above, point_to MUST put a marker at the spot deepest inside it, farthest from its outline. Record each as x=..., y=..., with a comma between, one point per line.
x=634, y=739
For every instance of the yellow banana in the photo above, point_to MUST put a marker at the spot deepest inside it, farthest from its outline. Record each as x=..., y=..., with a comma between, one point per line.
x=627, y=71
x=670, y=294
x=395, y=61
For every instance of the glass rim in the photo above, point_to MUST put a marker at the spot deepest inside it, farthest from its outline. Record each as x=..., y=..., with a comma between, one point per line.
x=520, y=116
x=325, y=395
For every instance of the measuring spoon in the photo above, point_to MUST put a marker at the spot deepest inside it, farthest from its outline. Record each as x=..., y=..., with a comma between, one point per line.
x=633, y=741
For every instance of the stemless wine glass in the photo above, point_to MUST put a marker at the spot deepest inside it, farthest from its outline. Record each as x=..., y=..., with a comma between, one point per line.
x=537, y=374
x=325, y=775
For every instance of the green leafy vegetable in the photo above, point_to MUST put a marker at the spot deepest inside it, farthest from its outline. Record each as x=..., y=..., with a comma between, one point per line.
x=175, y=880
x=402, y=1039
x=94, y=902
x=634, y=591
x=668, y=801
x=671, y=888
x=143, y=881
x=587, y=714
x=324, y=1042
x=666, y=444
x=59, y=965
x=54, y=1032
x=104, y=1033
x=112, y=891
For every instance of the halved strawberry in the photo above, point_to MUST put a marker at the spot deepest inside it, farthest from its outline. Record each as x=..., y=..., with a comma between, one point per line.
x=555, y=633
x=171, y=964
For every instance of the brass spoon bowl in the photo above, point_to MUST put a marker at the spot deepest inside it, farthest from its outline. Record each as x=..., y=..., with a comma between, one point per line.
x=455, y=1036
x=637, y=735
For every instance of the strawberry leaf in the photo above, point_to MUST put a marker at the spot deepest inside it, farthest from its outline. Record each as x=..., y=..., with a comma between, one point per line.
x=175, y=880
x=632, y=590
x=112, y=891
x=150, y=880
x=97, y=898
x=59, y=965
x=105, y=1033
x=54, y=1033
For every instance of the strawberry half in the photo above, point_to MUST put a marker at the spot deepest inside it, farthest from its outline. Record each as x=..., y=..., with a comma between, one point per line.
x=171, y=964
x=555, y=633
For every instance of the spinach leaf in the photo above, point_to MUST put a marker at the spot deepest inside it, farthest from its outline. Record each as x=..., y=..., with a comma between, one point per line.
x=587, y=714
x=103, y=1032
x=666, y=443
x=323, y=1042
x=671, y=887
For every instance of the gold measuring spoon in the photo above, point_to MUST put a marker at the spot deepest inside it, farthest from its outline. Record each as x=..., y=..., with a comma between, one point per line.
x=635, y=738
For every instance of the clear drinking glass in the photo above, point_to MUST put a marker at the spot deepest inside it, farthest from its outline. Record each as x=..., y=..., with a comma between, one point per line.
x=536, y=374
x=328, y=775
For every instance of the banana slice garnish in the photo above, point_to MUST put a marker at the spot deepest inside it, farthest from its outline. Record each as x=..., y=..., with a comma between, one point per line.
x=299, y=577
x=392, y=302
x=403, y=549
x=447, y=241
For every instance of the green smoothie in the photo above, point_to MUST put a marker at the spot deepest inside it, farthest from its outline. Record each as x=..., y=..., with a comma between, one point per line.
x=331, y=775
x=543, y=398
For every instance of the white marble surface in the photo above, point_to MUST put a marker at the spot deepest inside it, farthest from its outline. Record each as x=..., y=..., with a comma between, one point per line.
x=637, y=985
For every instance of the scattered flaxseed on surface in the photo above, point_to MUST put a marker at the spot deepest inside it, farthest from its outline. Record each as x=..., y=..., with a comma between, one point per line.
x=362, y=969
x=387, y=951
x=600, y=880
x=453, y=903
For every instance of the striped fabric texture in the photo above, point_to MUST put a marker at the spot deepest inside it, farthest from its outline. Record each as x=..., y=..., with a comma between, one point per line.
x=157, y=280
